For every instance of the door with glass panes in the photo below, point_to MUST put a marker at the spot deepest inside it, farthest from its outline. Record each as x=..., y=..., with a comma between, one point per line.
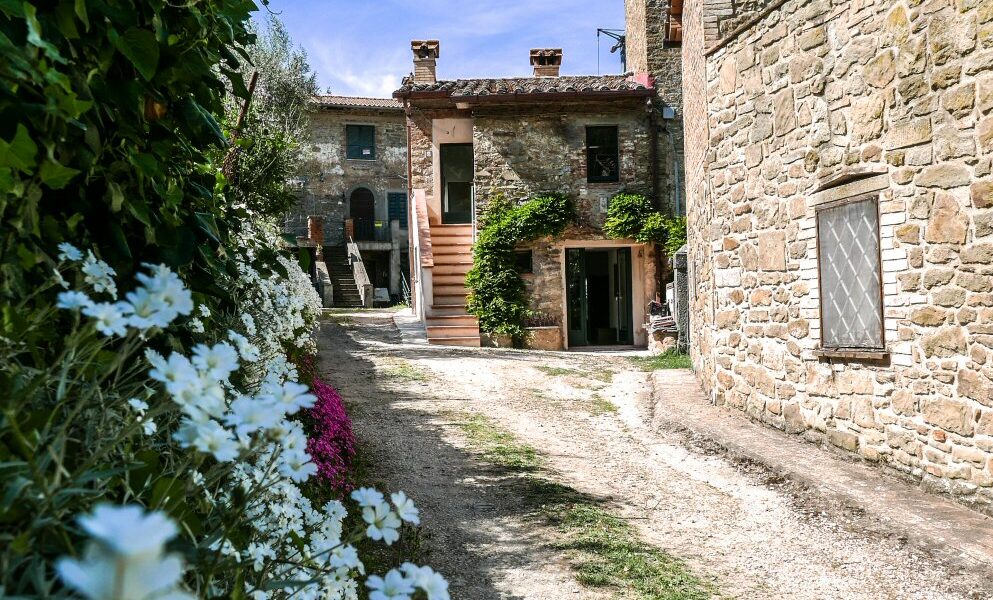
x=456, y=183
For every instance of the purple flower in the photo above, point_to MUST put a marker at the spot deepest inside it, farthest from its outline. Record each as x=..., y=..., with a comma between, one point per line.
x=330, y=443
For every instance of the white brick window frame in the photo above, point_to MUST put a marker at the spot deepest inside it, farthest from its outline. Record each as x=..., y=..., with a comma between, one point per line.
x=854, y=187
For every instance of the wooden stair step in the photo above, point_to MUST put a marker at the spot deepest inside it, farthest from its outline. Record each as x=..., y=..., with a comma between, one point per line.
x=450, y=290
x=452, y=259
x=450, y=331
x=459, y=269
x=449, y=320
x=443, y=279
x=468, y=341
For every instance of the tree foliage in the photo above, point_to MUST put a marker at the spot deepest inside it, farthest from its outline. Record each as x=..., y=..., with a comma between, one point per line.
x=497, y=293
x=633, y=216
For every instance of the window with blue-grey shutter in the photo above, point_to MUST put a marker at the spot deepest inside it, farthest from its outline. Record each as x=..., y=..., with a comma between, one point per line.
x=361, y=142
x=397, y=202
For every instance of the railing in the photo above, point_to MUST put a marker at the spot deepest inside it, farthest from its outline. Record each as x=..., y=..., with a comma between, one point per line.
x=404, y=290
x=362, y=281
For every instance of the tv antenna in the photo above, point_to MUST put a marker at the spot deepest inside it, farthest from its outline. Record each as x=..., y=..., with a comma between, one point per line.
x=618, y=36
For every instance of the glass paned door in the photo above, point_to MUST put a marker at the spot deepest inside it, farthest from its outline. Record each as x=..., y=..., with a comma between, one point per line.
x=576, y=301
x=456, y=183
x=622, y=296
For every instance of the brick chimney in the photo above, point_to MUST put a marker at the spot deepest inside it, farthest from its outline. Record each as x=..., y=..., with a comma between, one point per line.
x=426, y=53
x=546, y=61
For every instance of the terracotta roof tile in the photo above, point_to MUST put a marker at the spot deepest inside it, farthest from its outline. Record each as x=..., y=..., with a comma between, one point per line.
x=525, y=85
x=357, y=102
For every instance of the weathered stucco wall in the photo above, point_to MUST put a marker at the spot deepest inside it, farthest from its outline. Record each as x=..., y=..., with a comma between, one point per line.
x=328, y=177
x=812, y=90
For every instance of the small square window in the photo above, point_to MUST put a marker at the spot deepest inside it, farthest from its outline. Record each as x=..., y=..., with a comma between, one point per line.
x=848, y=260
x=602, y=158
x=360, y=142
x=524, y=261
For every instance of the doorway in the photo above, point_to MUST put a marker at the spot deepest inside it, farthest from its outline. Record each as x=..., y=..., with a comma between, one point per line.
x=456, y=183
x=362, y=211
x=598, y=296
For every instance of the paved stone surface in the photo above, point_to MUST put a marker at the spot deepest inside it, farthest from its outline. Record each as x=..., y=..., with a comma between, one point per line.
x=899, y=507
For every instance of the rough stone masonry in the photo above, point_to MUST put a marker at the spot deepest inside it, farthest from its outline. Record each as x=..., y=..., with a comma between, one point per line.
x=808, y=102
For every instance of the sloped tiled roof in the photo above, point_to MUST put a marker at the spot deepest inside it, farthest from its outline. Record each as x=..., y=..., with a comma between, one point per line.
x=357, y=102
x=566, y=84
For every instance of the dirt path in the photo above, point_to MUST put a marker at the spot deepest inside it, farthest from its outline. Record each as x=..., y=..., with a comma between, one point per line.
x=589, y=416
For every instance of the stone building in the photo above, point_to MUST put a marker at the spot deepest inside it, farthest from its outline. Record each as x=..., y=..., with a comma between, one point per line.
x=841, y=224
x=355, y=172
x=585, y=136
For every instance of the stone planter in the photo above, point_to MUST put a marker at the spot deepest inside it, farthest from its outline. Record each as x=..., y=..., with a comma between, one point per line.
x=495, y=340
x=544, y=338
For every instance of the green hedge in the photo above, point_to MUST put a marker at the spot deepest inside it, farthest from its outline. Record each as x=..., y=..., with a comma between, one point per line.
x=633, y=216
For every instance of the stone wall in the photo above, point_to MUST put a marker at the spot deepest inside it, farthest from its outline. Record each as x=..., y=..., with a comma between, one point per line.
x=328, y=177
x=814, y=90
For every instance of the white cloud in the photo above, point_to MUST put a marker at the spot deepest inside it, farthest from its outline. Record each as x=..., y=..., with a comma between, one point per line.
x=375, y=74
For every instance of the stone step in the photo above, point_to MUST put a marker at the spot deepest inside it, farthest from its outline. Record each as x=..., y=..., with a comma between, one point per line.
x=460, y=249
x=447, y=239
x=445, y=280
x=450, y=290
x=452, y=259
x=468, y=341
x=459, y=269
x=447, y=310
x=462, y=229
x=452, y=320
x=450, y=331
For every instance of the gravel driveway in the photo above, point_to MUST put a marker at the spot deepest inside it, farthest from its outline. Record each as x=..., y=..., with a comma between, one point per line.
x=588, y=416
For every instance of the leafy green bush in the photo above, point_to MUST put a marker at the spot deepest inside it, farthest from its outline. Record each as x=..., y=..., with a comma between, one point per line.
x=632, y=216
x=497, y=293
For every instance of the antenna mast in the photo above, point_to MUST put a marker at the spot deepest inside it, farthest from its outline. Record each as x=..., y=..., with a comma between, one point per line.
x=618, y=36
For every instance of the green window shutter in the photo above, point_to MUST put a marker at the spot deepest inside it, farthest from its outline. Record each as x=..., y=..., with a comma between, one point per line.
x=360, y=142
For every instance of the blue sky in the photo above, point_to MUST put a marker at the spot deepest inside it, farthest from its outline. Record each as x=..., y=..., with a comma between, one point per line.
x=362, y=47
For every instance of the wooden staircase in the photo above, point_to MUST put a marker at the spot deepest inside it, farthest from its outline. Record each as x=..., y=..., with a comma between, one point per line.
x=448, y=323
x=345, y=292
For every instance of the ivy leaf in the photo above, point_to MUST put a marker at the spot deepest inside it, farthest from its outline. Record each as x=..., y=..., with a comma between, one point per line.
x=55, y=175
x=116, y=196
x=19, y=152
x=202, y=124
x=208, y=224
x=140, y=47
x=81, y=13
x=34, y=33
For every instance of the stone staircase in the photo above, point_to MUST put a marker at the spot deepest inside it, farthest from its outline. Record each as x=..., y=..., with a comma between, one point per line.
x=346, y=293
x=448, y=323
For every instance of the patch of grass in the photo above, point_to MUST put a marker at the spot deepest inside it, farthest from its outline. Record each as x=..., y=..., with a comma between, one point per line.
x=605, y=550
x=600, y=406
x=402, y=369
x=667, y=360
x=499, y=447
x=605, y=376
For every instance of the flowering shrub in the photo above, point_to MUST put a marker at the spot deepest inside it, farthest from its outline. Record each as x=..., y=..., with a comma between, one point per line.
x=331, y=442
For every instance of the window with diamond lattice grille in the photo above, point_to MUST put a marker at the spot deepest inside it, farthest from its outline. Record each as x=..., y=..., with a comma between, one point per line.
x=850, y=278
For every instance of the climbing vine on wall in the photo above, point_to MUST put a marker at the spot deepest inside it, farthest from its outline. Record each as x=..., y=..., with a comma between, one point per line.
x=633, y=216
x=497, y=293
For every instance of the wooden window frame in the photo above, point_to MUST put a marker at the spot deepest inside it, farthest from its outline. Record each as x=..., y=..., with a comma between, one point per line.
x=856, y=353
x=617, y=153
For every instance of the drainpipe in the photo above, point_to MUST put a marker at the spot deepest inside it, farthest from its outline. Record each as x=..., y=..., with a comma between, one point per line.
x=676, y=190
x=412, y=260
x=654, y=152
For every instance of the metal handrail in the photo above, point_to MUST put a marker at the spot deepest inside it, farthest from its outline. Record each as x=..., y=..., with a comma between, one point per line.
x=404, y=289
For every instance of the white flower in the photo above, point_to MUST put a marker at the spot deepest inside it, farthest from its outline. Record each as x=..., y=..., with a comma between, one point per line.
x=249, y=322
x=248, y=350
x=128, y=530
x=149, y=427
x=204, y=311
x=425, y=578
x=110, y=319
x=209, y=438
x=177, y=373
x=138, y=405
x=368, y=497
x=70, y=253
x=248, y=415
x=383, y=523
x=59, y=279
x=405, y=508
x=148, y=310
x=168, y=289
x=217, y=361
x=73, y=300
x=99, y=274
x=297, y=466
x=197, y=478
x=196, y=326
x=393, y=587
x=291, y=396
x=258, y=553
x=346, y=557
